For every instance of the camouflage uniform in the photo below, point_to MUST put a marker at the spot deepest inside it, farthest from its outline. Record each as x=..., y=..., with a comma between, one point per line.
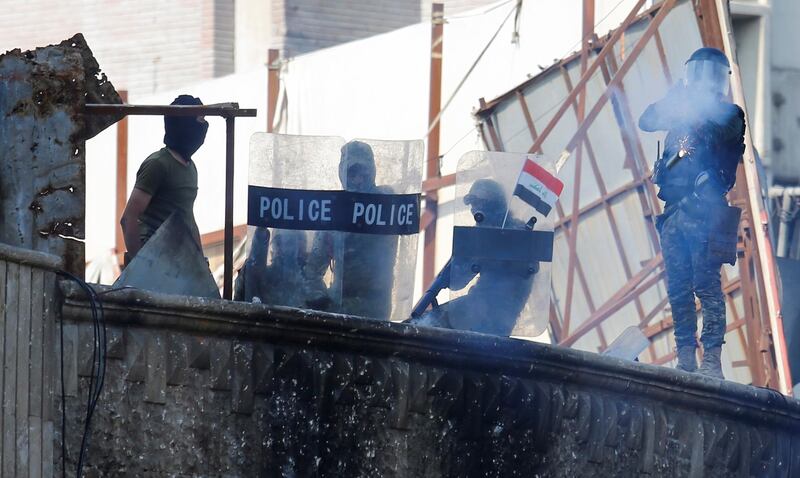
x=690, y=272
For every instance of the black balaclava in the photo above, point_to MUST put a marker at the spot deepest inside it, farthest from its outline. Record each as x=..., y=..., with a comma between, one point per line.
x=185, y=134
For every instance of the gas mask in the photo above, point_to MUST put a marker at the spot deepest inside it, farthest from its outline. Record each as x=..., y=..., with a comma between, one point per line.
x=487, y=203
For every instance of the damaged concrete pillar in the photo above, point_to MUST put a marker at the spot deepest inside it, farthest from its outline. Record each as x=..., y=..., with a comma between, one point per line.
x=42, y=155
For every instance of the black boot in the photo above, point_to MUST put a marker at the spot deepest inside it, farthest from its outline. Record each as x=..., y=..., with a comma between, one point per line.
x=712, y=365
x=687, y=358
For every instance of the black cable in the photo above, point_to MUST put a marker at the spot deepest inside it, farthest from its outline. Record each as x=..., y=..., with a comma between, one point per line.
x=95, y=384
x=96, y=377
x=101, y=331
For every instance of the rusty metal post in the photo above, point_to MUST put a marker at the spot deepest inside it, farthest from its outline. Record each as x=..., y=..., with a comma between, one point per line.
x=122, y=179
x=227, y=284
x=432, y=170
x=586, y=38
x=273, y=79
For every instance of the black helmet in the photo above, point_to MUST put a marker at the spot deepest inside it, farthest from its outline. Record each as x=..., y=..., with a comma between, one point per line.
x=708, y=69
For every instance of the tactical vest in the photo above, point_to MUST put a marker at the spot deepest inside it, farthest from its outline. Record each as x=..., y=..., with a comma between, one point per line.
x=711, y=146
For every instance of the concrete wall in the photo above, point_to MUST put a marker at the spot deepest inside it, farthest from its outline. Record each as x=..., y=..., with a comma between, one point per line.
x=301, y=26
x=146, y=46
x=198, y=387
x=751, y=28
x=786, y=90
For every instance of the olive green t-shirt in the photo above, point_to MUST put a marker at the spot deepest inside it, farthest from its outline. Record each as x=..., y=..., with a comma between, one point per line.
x=173, y=186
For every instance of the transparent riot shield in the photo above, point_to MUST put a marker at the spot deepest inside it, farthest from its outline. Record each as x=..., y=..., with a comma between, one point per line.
x=338, y=224
x=502, y=250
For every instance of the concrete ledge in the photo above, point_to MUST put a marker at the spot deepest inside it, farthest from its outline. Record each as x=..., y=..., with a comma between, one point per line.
x=30, y=257
x=438, y=347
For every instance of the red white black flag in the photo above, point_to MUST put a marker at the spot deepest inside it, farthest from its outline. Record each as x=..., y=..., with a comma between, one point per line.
x=537, y=187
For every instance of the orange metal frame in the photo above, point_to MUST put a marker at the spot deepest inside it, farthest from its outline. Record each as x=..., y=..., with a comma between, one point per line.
x=752, y=329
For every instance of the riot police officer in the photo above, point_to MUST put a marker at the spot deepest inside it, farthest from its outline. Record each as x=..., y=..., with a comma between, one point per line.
x=704, y=144
x=363, y=269
x=493, y=304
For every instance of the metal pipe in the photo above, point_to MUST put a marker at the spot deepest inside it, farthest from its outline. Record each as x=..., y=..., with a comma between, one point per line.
x=221, y=109
x=227, y=284
x=783, y=228
x=780, y=191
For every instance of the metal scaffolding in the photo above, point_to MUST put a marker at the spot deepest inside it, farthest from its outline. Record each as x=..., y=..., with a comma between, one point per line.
x=610, y=206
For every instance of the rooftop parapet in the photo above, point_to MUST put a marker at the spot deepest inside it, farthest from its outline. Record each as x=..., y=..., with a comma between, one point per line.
x=199, y=386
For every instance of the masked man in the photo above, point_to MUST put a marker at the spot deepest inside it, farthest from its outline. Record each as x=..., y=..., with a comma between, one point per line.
x=704, y=144
x=166, y=182
x=362, y=265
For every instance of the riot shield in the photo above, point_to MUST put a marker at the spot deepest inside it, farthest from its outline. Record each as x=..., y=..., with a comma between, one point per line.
x=336, y=224
x=502, y=248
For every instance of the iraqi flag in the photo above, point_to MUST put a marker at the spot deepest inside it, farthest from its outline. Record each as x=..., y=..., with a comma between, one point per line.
x=537, y=187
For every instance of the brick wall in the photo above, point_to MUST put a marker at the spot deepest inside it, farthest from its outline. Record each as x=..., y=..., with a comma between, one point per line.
x=301, y=26
x=146, y=46
x=313, y=24
x=143, y=45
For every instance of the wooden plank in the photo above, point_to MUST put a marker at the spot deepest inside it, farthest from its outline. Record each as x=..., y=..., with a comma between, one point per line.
x=23, y=371
x=3, y=318
x=50, y=348
x=35, y=454
x=36, y=387
x=48, y=455
x=36, y=338
x=49, y=367
x=10, y=369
